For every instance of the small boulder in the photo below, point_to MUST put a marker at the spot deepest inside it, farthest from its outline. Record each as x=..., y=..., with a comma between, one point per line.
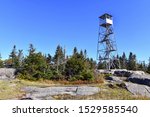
x=7, y=73
x=138, y=72
x=137, y=89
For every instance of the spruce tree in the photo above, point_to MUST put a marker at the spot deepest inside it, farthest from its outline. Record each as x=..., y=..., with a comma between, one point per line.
x=35, y=66
x=1, y=62
x=79, y=68
x=123, y=61
x=132, y=65
x=13, y=57
x=85, y=53
x=142, y=66
x=148, y=67
x=59, y=58
x=49, y=59
x=31, y=49
x=75, y=65
x=82, y=55
x=75, y=51
x=101, y=65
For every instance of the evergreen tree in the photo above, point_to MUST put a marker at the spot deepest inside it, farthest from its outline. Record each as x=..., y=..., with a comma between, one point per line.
x=92, y=63
x=82, y=55
x=132, y=65
x=85, y=54
x=1, y=62
x=116, y=62
x=75, y=65
x=75, y=51
x=13, y=57
x=49, y=59
x=35, y=66
x=148, y=67
x=59, y=58
x=77, y=68
x=101, y=65
x=123, y=61
x=142, y=66
x=31, y=49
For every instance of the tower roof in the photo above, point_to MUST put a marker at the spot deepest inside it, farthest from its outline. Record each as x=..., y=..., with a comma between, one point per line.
x=106, y=15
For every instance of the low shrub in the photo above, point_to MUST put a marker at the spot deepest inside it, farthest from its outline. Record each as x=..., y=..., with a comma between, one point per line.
x=87, y=75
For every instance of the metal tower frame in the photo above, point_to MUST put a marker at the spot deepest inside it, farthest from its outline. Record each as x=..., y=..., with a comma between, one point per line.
x=106, y=49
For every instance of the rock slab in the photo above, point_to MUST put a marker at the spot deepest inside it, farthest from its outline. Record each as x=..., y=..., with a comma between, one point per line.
x=140, y=79
x=114, y=79
x=48, y=92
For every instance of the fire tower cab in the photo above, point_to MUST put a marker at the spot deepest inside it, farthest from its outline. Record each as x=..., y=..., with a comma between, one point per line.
x=106, y=20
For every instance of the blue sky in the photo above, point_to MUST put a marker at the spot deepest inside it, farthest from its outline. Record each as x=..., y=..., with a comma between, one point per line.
x=70, y=23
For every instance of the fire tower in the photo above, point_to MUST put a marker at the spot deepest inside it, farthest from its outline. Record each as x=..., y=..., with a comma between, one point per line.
x=106, y=49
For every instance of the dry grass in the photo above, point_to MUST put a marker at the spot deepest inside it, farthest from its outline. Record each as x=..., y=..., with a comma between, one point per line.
x=98, y=80
x=115, y=93
x=40, y=83
x=80, y=82
x=10, y=90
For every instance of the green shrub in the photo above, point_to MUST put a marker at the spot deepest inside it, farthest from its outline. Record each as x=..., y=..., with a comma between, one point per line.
x=48, y=75
x=87, y=75
x=73, y=79
x=57, y=76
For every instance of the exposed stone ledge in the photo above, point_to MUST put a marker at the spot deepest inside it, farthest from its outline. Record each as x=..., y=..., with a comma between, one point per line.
x=7, y=73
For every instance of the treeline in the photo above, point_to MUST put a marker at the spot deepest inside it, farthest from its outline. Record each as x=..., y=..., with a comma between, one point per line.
x=37, y=65
x=130, y=63
x=78, y=66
